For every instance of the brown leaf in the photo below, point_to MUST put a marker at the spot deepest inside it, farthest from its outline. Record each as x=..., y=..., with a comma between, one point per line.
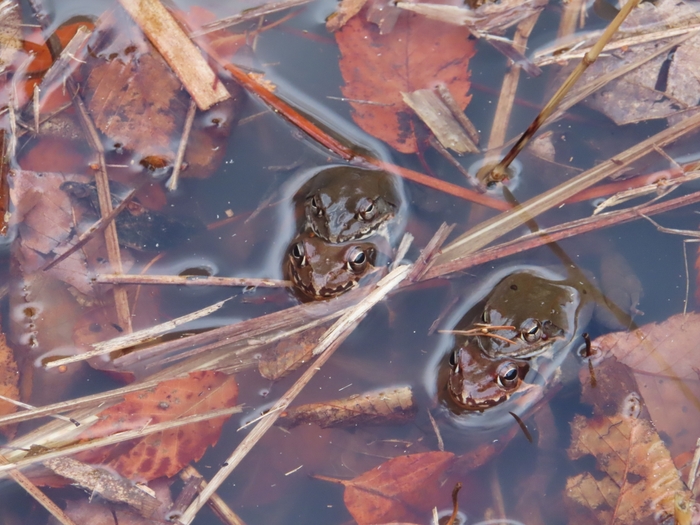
x=133, y=96
x=346, y=10
x=376, y=408
x=417, y=54
x=164, y=453
x=649, y=91
x=641, y=480
x=664, y=358
x=400, y=489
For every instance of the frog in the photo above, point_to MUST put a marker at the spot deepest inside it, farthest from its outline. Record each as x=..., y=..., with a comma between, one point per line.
x=476, y=382
x=319, y=269
x=527, y=315
x=348, y=203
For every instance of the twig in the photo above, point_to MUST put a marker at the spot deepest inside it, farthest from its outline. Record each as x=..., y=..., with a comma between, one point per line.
x=104, y=196
x=30, y=407
x=500, y=171
x=39, y=496
x=179, y=52
x=510, y=85
x=128, y=340
x=247, y=14
x=177, y=166
x=185, y=280
x=326, y=346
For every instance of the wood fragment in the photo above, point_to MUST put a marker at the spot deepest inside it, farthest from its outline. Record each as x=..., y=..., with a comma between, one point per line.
x=436, y=114
x=188, y=280
x=385, y=407
x=107, y=484
x=177, y=49
x=217, y=504
x=177, y=166
x=39, y=496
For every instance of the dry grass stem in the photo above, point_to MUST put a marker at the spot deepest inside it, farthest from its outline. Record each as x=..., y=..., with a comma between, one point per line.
x=30, y=407
x=500, y=172
x=217, y=504
x=75, y=404
x=247, y=14
x=105, y=200
x=490, y=230
x=325, y=347
x=62, y=68
x=570, y=17
x=426, y=255
x=119, y=437
x=509, y=87
x=661, y=187
x=180, y=157
x=39, y=496
x=135, y=338
x=179, y=52
x=186, y=280
x=557, y=233
x=578, y=48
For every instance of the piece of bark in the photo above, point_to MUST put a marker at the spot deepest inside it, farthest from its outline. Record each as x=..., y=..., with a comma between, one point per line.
x=109, y=485
x=376, y=408
x=182, y=55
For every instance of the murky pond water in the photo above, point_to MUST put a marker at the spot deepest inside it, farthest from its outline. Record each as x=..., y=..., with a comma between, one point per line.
x=266, y=160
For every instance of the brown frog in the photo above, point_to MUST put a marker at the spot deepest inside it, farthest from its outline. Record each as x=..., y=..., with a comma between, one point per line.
x=526, y=315
x=345, y=203
x=476, y=382
x=321, y=270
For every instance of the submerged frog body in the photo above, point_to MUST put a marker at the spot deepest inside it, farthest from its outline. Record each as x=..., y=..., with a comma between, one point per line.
x=345, y=203
x=526, y=315
x=321, y=270
x=477, y=382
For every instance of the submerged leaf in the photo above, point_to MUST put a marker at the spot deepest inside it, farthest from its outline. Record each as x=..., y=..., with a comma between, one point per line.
x=377, y=68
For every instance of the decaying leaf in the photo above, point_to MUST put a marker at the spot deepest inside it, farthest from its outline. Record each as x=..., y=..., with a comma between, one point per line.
x=165, y=453
x=10, y=31
x=664, y=86
x=132, y=94
x=401, y=489
x=641, y=481
x=105, y=484
x=377, y=68
x=377, y=408
x=665, y=358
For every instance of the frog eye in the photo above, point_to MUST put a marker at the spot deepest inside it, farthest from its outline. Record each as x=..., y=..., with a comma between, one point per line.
x=531, y=330
x=298, y=253
x=367, y=211
x=316, y=208
x=486, y=317
x=357, y=259
x=454, y=359
x=508, y=376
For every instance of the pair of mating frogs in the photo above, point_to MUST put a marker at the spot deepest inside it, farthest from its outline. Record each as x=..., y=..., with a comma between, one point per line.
x=346, y=216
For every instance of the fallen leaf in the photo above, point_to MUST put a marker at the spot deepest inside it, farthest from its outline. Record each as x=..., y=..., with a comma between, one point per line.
x=133, y=96
x=418, y=54
x=376, y=408
x=664, y=86
x=665, y=358
x=401, y=489
x=163, y=453
x=641, y=481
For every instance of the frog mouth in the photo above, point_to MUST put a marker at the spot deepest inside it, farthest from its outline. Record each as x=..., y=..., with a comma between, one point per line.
x=309, y=292
x=478, y=405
